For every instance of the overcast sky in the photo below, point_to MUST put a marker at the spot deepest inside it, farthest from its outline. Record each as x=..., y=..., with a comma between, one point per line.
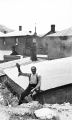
x=43, y=13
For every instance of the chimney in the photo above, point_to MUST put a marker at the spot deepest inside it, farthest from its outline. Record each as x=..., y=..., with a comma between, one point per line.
x=30, y=31
x=20, y=28
x=53, y=28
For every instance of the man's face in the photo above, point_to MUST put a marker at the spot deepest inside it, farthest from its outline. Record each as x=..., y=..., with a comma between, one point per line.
x=33, y=71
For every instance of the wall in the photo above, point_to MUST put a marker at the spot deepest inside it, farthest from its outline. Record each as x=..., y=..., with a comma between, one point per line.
x=57, y=95
x=1, y=43
x=24, y=45
x=6, y=43
x=9, y=42
x=58, y=47
x=41, y=48
x=21, y=45
x=54, y=48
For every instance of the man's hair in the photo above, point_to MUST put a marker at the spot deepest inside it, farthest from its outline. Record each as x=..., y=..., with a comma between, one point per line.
x=33, y=68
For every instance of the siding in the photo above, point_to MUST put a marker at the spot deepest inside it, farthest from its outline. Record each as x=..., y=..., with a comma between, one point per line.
x=41, y=48
x=21, y=45
x=9, y=42
x=1, y=43
x=24, y=45
x=57, y=47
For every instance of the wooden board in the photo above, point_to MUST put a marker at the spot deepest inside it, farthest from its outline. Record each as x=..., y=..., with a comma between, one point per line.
x=12, y=73
x=10, y=64
x=54, y=73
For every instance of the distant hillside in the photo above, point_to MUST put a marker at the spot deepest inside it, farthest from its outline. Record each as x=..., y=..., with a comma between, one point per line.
x=4, y=29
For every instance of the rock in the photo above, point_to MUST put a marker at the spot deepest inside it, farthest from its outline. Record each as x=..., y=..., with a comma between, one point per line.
x=32, y=104
x=45, y=113
x=4, y=115
x=2, y=101
x=14, y=101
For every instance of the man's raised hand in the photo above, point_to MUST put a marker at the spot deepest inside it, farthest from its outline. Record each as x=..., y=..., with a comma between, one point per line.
x=18, y=66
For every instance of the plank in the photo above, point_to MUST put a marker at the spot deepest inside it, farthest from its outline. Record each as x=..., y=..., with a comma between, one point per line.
x=54, y=73
x=12, y=73
x=9, y=64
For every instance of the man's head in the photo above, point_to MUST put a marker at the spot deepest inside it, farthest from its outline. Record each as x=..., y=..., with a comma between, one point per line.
x=33, y=69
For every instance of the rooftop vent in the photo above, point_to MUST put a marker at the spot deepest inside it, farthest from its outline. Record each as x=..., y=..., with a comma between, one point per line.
x=53, y=28
x=20, y=28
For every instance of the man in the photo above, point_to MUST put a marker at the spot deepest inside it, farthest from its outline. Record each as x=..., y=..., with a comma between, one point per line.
x=13, y=51
x=34, y=82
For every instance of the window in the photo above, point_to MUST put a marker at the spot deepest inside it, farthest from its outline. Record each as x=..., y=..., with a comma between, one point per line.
x=63, y=37
x=28, y=43
x=16, y=41
x=4, y=42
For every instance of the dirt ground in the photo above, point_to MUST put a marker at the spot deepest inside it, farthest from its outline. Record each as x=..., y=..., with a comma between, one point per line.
x=10, y=110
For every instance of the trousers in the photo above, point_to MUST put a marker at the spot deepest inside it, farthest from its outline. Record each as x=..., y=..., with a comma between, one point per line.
x=26, y=92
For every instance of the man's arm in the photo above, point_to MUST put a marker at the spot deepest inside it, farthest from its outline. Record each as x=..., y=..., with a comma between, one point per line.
x=20, y=72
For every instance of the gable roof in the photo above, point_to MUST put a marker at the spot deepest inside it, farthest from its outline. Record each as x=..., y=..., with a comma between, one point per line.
x=5, y=29
x=16, y=33
x=1, y=33
x=66, y=32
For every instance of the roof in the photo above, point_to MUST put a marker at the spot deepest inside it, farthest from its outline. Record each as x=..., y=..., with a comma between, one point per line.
x=41, y=35
x=54, y=73
x=45, y=34
x=66, y=32
x=5, y=29
x=10, y=64
x=58, y=71
x=1, y=33
x=17, y=33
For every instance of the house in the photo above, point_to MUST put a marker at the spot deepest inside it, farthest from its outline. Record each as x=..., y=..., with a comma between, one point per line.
x=21, y=39
x=42, y=45
x=59, y=44
x=3, y=31
x=24, y=41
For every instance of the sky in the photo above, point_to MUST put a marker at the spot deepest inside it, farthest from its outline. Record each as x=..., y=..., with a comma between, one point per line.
x=41, y=13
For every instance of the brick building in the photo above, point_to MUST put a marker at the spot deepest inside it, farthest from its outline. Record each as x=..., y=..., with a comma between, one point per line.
x=59, y=44
x=21, y=39
x=42, y=41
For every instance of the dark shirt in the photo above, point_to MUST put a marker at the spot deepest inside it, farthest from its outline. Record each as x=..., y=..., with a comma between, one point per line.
x=14, y=53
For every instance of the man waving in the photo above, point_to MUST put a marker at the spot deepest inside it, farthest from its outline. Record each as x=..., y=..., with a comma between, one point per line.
x=34, y=82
